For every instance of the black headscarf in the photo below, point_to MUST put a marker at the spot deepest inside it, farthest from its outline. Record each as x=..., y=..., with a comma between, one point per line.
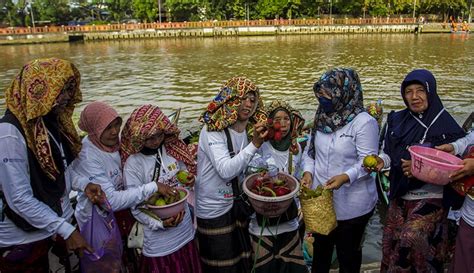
x=403, y=130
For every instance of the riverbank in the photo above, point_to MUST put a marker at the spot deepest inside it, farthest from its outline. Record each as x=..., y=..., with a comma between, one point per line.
x=100, y=33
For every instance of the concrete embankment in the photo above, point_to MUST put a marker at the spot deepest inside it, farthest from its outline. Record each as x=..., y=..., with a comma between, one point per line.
x=217, y=32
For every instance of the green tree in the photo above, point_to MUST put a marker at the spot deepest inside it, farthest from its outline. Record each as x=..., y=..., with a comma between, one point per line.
x=183, y=10
x=271, y=9
x=119, y=9
x=444, y=7
x=11, y=14
x=378, y=8
x=54, y=11
x=145, y=10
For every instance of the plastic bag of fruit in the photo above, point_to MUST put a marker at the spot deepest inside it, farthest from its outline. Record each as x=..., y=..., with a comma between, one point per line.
x=318, y=210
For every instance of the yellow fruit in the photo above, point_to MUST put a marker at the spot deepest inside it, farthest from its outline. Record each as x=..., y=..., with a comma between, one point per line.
x=160, y=202
x=370, y=161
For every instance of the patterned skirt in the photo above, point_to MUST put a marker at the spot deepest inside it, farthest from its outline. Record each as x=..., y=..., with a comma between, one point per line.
x=282, y=253
x=185, y=260
x=224, y=245
x=415, y=236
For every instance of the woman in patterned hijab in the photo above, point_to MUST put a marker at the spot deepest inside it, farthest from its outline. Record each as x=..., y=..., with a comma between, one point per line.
x=343, y=135
x=222, y=111
x=40, y=102
x=152, y=151
x=147, y=121
x=230, y=119
x=340, y=100
x=40, y=86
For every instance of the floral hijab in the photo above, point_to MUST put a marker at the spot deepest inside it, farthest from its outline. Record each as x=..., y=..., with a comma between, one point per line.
x=344, y=86
x=297, y=123
x=222, y=111
x=32, y=95
x=145, y=122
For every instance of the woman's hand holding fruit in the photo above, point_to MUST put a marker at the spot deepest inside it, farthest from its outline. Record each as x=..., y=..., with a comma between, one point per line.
x=186, y=178
x=167, y=190
x=259, y=134
x=372, y=163
x=273, y=130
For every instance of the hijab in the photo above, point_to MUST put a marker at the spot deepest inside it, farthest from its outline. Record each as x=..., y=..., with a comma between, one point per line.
x=222, y=111
x=297, y=123
x=345, y=89
x=406, y=128
x=95, y=118
x=31, y=96
x=147, y=121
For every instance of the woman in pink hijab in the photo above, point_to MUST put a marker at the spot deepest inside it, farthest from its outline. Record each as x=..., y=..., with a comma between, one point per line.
x=99, y=160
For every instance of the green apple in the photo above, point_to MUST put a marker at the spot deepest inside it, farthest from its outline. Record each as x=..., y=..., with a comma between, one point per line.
x=160, y=202
x=182, y=194
x=182, y=176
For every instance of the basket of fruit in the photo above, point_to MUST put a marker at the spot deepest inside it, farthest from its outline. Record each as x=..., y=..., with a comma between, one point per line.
x=318, y=210
x=167, y=206
x=270, y=196
x=433, y=166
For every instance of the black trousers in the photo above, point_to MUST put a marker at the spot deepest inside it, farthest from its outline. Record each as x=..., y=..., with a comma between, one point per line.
x=347, y=237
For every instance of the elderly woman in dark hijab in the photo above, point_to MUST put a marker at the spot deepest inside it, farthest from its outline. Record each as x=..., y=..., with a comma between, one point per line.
x=415, y=235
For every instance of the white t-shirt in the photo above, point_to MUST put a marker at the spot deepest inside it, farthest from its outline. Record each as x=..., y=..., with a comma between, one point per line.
x=104, y=169
x=139, y=170
x=216, y=169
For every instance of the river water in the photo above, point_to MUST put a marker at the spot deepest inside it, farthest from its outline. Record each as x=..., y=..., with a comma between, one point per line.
x=187, y=73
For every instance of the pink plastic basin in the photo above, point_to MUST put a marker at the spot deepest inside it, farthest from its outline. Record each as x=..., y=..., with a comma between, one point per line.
x=433, y=166
x=170, y=210
x=271, y=206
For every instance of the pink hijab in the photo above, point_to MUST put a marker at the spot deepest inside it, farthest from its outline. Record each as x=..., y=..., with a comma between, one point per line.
x=94, y=119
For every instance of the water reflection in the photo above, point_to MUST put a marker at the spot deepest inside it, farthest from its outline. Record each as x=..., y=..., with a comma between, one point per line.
x=188, y=72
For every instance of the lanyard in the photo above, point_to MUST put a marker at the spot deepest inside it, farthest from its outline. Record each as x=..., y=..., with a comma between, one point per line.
x=61, y=150
x=429, y=126
x=157, y=169
x=289, y=161
x=158, y=165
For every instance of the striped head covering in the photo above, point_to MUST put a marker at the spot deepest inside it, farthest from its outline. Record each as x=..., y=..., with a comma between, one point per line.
x=147, y=121
x=222, y=111
x=32, y=95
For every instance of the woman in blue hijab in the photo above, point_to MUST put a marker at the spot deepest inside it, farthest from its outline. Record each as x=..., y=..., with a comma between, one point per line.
x=415, y=234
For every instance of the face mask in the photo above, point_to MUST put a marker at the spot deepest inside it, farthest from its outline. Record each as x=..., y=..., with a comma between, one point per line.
x=326, y=105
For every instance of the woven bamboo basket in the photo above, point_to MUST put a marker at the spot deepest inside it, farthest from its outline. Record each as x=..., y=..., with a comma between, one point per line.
x=318, y=214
